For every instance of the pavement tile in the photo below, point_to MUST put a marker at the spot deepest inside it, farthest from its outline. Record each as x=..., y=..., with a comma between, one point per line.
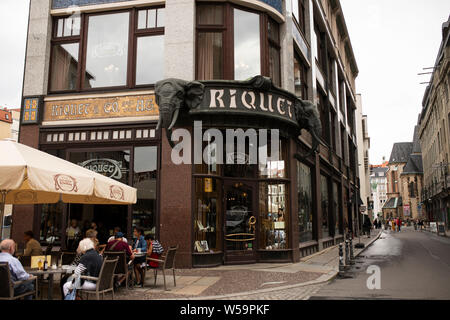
x=191, y=290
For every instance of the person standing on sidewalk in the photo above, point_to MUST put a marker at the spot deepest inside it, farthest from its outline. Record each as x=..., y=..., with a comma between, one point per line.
x=399, y=224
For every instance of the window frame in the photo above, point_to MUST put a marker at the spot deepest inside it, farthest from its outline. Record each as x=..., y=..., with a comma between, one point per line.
x=133, y=34
x=227, y=30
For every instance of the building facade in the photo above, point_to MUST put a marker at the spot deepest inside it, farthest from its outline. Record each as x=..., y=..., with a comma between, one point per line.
x=363, y=140
x=89, y=97
x=404, y=180
x=378, y=188
x=434, y=136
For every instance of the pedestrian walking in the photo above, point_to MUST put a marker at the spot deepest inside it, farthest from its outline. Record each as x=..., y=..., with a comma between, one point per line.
x=399, y=224
x=393, y=224
x=379, y=224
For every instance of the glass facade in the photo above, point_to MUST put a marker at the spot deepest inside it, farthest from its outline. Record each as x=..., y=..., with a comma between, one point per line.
x=325, y=206
x=305, y=202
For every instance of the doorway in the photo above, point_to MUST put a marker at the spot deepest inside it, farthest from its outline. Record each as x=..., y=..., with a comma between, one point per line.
x=240, y=222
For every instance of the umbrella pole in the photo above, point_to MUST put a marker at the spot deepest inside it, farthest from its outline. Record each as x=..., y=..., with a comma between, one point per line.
x=2, y=211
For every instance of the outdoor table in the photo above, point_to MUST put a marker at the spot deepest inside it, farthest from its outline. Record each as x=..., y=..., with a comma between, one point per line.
x=50, y=272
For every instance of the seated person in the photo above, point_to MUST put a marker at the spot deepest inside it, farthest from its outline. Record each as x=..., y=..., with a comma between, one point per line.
x=154, y=250
x=119, y=245
x=90, y=265
x=32, y=246
x=139, y=262
x=117, y=229
x=7, y=248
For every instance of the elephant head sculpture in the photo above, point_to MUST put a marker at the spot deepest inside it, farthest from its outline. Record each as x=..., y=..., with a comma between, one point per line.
x=308, y=118
x=171, y=96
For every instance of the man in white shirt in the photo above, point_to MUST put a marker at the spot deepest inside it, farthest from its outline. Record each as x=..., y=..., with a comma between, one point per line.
x=117, y=229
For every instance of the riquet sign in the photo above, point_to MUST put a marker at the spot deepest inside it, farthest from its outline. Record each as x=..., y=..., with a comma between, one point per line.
x=99, y=108
x=247, y=101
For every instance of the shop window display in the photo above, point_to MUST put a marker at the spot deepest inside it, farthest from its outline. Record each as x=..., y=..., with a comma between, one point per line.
x=305, y=223
x=273, y=208
x=336, y=209
x=325, y=206
x=207, y=231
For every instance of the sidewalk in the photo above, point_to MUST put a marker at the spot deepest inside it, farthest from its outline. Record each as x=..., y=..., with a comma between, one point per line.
x=244, y=281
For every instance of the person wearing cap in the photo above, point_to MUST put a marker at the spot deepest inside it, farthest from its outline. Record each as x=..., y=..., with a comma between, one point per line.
x=119, y=245
x=117, y=229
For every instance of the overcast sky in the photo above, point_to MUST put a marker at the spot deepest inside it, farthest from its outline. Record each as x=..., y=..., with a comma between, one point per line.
x=392, y=41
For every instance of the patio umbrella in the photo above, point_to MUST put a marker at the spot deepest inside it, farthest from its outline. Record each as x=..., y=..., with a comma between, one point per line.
x=31, y=176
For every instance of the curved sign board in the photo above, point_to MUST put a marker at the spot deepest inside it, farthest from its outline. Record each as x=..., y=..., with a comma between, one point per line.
x=247, y=98
x=107, y=167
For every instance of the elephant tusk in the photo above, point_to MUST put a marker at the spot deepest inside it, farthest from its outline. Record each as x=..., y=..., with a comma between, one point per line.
x=174, y=119
x=159, y=123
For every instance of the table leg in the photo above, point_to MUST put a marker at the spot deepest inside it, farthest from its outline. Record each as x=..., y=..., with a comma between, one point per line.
x=50, y=286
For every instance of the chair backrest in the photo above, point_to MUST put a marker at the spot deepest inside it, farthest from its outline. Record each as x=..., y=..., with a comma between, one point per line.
x=67, y=257
x=6, y=287
x=25, y=261
x=106, y=275
x=169, y=261
x=121, y=267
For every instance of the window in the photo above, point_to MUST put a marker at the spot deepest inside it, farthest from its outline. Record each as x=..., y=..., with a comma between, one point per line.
x=298, y=11
x=236, y=44
x=300, y=78
x=274, y=52
x=150, y=46
x=324, y=117
x=247, y=46
x=145, y=181
x=305, y=202
x=274, y=216
x=325, y=206
x=207, y=229
x=336, y=209
x=110, y=55
x=210, y=37
x=319, y=54
x=107, y=50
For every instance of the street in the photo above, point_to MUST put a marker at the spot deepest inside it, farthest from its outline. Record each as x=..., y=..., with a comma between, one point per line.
x=413, y=264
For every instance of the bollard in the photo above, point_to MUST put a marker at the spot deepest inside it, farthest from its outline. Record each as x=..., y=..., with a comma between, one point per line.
x=347, y=256
x=341, y=258
x=352, y=258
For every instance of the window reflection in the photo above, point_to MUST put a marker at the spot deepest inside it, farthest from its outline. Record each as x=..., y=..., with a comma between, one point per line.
x=107, y=50
x=150, y=59
x=274, y=216
x=305, y=222
x=247, y=60
x=145, y=181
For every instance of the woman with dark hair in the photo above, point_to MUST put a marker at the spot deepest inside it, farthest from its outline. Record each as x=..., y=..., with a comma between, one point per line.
x=154, y=250
x=139, y=247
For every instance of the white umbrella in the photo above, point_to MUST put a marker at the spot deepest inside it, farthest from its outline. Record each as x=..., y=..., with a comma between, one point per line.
x=30, y=176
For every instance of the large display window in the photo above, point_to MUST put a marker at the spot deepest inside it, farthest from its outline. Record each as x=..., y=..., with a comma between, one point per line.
x=207, y=225
x=305, y=202
x=325, y=202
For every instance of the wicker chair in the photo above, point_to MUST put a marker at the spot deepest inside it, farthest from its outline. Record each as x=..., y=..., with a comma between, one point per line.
x=167, y=262
x=122, y=265
x=7, y=285
x=104, y=281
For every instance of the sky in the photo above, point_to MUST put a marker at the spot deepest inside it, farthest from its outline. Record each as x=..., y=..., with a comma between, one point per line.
x=393, y=40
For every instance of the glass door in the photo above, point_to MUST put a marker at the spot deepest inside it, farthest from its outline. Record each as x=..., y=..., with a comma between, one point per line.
x=240, y=222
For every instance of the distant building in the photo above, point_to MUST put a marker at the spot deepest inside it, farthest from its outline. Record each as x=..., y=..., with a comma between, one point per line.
x=404, y=179
x=363, y=142
x=5, y=123
x=434, y=134
x=378, y=188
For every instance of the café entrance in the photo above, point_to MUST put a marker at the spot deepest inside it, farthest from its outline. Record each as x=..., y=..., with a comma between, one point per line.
x=240, y=222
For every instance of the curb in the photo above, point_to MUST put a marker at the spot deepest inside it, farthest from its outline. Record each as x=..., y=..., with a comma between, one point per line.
x=370, y=243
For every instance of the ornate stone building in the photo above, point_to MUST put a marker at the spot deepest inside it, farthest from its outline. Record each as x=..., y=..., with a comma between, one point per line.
x=434, y=133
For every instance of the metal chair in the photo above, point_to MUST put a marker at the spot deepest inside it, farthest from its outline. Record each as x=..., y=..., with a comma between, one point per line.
x=122, y=265
x=166, y=263
x=7, y=285
x=104, y=281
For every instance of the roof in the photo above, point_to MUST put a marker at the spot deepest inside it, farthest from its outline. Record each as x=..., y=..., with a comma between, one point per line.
x=400, y=152
x=416, y=143
x=414, y=165
x=5, y=116
x=393, y=203
x=383, y=165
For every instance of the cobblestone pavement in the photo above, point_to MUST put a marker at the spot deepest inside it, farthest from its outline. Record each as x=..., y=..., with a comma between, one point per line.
x=300, y=293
